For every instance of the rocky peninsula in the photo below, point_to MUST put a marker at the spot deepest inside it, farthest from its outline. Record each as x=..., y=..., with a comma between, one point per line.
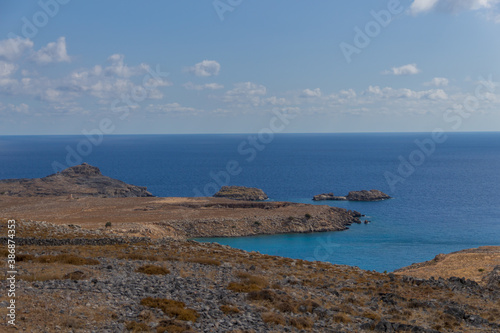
x=81, y=195
x=364, y=195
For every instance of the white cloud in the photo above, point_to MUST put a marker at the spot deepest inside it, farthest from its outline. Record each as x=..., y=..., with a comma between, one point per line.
x=311, y=93
x=410, y=69
x=209, y=86
x=118, y=67
x=170, y=108
x=420, y=6
x=490, y=7
x=404, y=93
x=22, y=108
x=13, y=48
x=205, y=68
x=52, y=52
x=438, y=82
x=245, y=93
x=7, y=68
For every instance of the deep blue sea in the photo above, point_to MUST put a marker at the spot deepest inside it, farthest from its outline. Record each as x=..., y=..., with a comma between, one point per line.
x=446, y=201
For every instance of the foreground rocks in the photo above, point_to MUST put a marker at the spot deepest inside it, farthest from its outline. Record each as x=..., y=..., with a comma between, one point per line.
x=241, y=193
x=214, y=288
x=82, y=180
x=372, y=195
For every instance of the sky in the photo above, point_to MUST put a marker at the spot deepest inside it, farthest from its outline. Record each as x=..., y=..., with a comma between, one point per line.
x=240, y=66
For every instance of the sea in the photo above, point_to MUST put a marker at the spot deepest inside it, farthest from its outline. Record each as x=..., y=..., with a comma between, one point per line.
x=445, y=187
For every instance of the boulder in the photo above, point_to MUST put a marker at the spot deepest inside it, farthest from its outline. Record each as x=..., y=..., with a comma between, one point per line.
x=241, y=193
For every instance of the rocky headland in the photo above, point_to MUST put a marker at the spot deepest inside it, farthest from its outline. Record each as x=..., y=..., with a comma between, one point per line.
x=81, y=195
x=82, y=180
x=364, y=195
x=241, y=193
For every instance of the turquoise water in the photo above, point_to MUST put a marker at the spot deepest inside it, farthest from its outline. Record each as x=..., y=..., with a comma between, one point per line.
x=450, y=202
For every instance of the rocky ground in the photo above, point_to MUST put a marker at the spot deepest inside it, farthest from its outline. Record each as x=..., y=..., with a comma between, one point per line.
x=108, y=283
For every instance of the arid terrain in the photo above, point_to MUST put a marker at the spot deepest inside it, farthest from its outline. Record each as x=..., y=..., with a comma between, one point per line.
x=74, y=280
x=87, y=262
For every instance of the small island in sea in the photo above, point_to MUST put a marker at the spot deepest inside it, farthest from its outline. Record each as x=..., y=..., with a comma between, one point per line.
x=364, y=195
x=110, y=257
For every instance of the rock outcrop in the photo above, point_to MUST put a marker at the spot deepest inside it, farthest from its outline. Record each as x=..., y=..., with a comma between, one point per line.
x=372, y=195
x=241, y=193
x=81, y=180
x=328, y=196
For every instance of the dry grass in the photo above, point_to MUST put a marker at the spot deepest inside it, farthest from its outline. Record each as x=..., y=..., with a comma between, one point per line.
x=229, y=309
x=302, y=323
x=273, y=318
x=137, y=256
x=152, y=270
x=65, y=259
x=173, y=326
x=371, y=315
x=248, y=283
x=136, y=327
x=204, y=261
x=171, y=308
x=341, y=318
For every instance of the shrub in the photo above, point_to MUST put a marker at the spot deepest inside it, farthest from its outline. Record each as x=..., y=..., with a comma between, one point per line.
x=371, y=315
x=172, y=326
x=137, y=256
x=65, y=259
x=273, y=318
x=171, y=308
x=308, y=216
x=228, y=309
x=152, y=270
x=205, y=261
x=248, y=283
x=108, y=225
x=301, y=323
x=134, y=327
x=341, y=318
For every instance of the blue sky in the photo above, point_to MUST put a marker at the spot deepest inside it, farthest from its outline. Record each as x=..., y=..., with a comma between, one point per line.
x=230, y=66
